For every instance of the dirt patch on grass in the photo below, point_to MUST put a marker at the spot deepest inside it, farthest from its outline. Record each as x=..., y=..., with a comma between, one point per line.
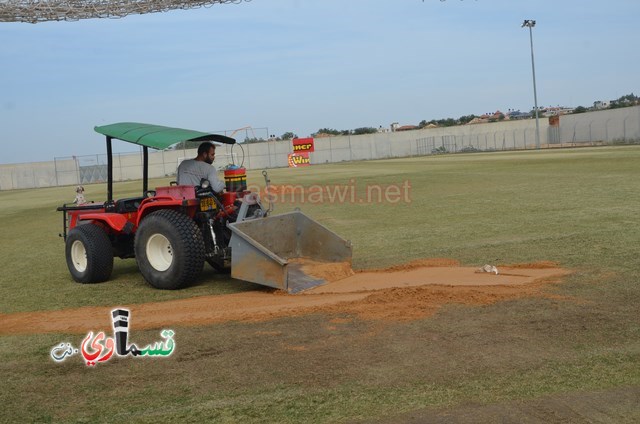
x=533, y=265
x=404, y=292
x=413, y=275
x=410, y=303
x=418, y=263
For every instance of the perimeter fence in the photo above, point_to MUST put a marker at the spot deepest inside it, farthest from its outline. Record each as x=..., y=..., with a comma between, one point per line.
x=609, y=127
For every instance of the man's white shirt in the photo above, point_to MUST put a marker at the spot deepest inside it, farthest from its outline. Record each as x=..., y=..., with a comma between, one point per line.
x=191, y=171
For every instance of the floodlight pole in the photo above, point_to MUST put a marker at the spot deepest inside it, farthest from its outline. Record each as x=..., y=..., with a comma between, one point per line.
x=530, y=24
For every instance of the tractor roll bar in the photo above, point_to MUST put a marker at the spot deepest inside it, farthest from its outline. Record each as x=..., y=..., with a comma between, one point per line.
x=109, y=171
x=145, y=169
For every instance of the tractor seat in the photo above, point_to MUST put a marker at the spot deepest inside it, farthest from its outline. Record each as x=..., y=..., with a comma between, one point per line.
x=130, y=204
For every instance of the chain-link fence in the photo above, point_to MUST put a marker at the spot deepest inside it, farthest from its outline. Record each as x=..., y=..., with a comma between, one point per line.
x=619, y=126
x=482, y=142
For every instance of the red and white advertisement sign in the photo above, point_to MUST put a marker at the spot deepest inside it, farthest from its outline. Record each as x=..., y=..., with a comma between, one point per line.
x=299, y=159
x=302, y=145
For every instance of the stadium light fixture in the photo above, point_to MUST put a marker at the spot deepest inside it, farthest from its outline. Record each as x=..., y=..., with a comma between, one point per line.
x=530, y=23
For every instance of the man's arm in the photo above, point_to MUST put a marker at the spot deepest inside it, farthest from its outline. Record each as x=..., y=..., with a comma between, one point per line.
x=216, y=184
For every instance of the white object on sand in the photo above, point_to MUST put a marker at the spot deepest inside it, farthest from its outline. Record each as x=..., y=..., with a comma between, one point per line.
x=489, y=268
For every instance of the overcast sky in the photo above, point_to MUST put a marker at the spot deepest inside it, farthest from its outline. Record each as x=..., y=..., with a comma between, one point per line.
x=301, y=65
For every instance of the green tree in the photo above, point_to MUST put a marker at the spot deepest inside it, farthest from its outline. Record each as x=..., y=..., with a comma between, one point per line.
x=580, y=109
x=425, y=123
x=329, y=131
x=250, y=140
x=625, y=101
x=448, y=122
x=465, y=119
x=288, y=136
x=365, y=130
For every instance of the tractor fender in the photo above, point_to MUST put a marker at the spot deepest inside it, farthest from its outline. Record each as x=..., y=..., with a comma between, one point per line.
x=188, y=205
x=114, y=221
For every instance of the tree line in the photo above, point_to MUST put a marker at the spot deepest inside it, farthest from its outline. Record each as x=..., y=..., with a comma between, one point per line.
x=623, y=101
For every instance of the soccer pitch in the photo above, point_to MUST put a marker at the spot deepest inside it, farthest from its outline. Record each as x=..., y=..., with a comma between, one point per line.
x=576, y=341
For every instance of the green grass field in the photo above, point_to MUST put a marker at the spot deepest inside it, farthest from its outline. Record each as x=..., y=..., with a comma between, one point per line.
x=577, y=207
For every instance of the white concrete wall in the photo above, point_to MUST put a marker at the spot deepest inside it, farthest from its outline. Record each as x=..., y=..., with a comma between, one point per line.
x=612, y=125
x=603, y=126
x=27, y=175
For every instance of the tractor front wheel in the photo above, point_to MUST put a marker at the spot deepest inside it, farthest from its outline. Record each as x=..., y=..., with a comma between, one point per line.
x=89, y=254
x=169, y=249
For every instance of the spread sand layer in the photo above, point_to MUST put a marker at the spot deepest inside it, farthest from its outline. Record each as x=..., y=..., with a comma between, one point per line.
x=407, y=291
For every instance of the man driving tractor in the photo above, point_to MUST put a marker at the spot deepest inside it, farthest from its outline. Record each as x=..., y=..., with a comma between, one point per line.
x=172, y=231
x=192, y=171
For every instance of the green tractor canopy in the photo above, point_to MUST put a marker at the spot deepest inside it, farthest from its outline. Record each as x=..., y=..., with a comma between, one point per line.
x=148, y=135
x=157, y=136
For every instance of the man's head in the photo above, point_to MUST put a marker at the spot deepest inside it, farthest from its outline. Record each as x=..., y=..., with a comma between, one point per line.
x=206, y=152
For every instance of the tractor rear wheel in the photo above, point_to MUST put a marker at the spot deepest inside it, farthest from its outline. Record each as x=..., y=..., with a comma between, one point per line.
x=169, y=249
x=89, y=254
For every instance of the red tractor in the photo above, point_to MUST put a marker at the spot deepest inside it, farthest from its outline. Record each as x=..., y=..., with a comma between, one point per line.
x=171, y=231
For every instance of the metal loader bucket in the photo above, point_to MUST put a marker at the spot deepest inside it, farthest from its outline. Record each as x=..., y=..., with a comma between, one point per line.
x=272, y=251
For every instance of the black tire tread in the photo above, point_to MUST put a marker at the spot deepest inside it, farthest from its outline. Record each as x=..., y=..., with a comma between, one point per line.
x=99, y=253
x=190, y=243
